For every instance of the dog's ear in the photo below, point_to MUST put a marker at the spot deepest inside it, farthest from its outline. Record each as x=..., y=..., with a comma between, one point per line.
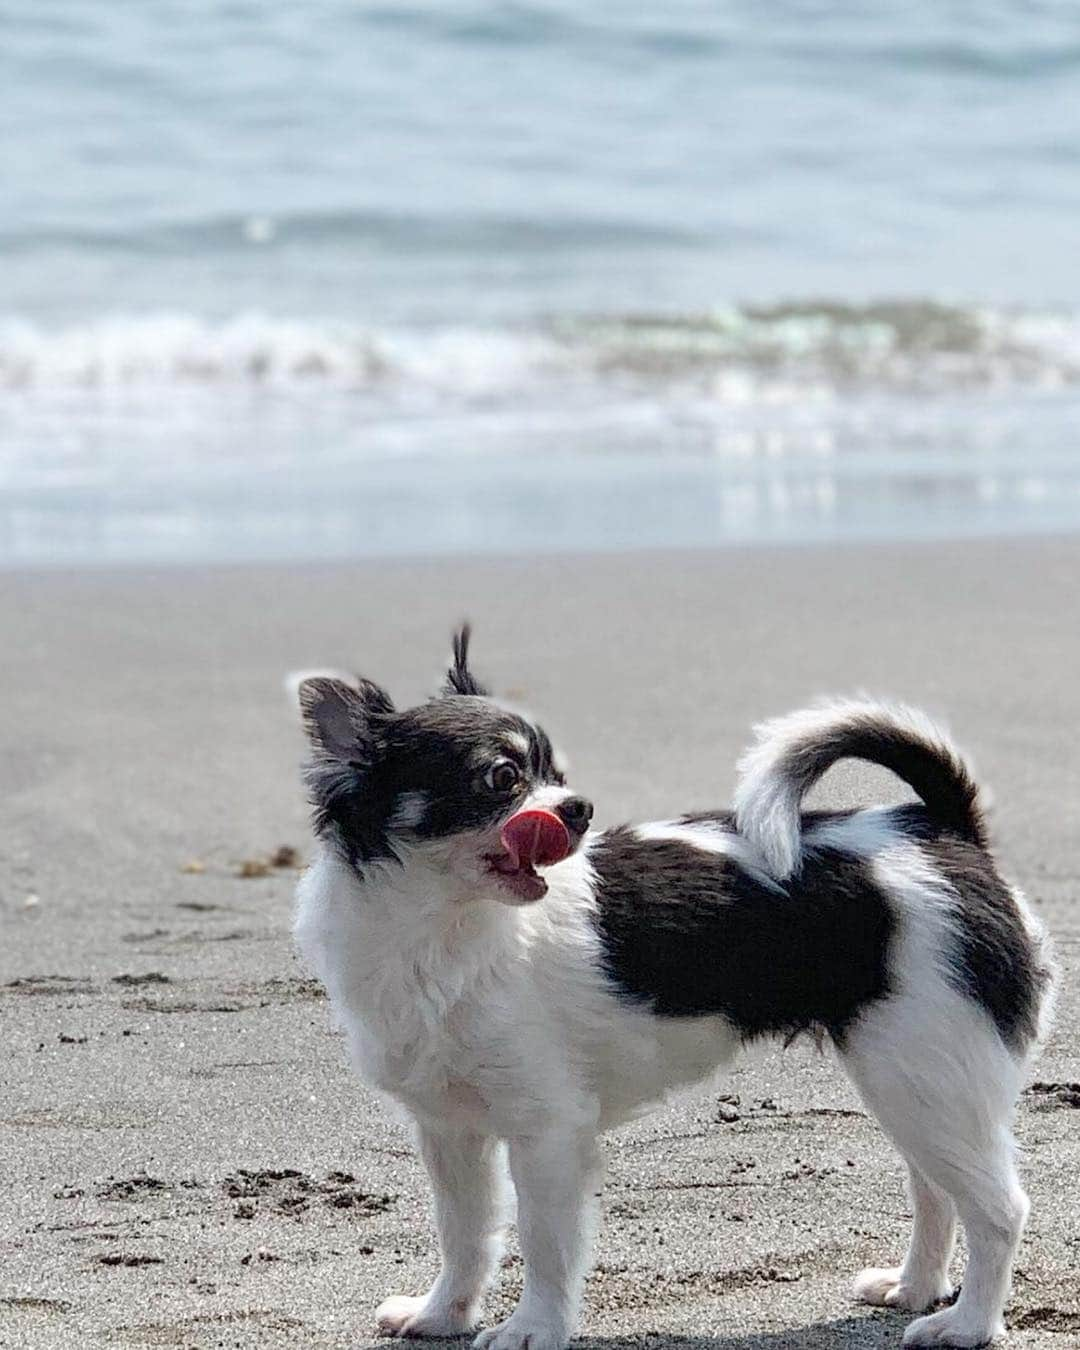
x=340, y=719
x=459, y=678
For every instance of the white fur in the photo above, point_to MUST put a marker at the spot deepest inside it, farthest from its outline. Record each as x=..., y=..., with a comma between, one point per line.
x=559, y=761
x=712, y=838
x=547, y=797
x=440, y=989
x=864, y=833
x=767, y=800
x=409, y=810
x=519, y=741
x=489, y=1022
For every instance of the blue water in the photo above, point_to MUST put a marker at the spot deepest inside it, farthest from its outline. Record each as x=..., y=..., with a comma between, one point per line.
x=340, y=278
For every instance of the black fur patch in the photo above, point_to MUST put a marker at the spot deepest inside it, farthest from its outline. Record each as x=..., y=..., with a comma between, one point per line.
x=368, y=757
x=345, y=727
x=459, y=678
x=689, y=933
x=444, y=749
x=995, y=962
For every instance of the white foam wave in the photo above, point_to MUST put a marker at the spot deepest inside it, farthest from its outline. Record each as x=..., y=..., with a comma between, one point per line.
x=179, y=348
x=731, y=356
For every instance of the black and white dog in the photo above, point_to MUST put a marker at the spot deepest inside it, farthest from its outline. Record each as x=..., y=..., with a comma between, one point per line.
x=506, y=1010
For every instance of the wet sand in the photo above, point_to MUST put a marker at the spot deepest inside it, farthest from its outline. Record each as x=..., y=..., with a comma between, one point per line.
x=187, y=1159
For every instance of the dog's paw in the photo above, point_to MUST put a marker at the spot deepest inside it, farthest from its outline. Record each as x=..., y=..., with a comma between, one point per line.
x=887, y=1288
x=403, y=1316
x=953, y=1326
x=523, y=1332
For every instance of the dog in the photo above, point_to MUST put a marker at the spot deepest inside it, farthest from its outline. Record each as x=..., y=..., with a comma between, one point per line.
x=520, y=983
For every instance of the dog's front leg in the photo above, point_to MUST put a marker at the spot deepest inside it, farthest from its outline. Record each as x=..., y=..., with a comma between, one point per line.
x=464, y=1171
x=557, y=1178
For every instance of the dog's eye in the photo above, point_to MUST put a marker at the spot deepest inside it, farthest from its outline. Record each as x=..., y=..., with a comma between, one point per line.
x=502, y=776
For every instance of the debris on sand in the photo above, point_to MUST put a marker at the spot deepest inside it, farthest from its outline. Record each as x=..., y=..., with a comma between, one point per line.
x=58, y=1305
x=131, y=1188
x=1047, y=1319
x=287, y=1191
x=151, y=977
x=253, y=867
x=259, y=1254
x=290, y=989
x=50, y=985
x=1057, y=1094
x=129, y=1259
x=727, y=1110
x=243, y=1183
x=143, y=1004
x=283, y=858
x=194, y=867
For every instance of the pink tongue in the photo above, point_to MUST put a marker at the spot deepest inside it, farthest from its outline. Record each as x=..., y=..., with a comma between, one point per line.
x=536, y=839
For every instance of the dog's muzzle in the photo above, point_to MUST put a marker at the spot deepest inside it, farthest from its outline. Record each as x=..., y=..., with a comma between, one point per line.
x=531, y=839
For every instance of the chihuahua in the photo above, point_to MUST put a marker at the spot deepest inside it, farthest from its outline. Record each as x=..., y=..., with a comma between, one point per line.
x=520, y=983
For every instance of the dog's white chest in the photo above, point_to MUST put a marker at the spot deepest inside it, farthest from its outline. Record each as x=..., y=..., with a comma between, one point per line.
x=414, y=1040
x=412, y=995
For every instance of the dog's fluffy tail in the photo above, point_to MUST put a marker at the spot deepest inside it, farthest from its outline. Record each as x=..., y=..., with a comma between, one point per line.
x=793, y=752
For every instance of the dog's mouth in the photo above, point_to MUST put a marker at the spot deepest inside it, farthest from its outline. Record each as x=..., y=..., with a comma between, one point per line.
x=531, y=839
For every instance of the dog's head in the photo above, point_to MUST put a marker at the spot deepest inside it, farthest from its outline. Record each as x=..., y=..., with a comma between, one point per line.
x=472, y=785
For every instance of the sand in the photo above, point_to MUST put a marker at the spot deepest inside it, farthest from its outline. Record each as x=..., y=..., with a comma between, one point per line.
x=186, y=1157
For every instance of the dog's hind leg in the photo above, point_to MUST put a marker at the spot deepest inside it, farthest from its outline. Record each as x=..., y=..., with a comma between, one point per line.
x=944, y=1093
x=993, y=1208
x=923, y=1279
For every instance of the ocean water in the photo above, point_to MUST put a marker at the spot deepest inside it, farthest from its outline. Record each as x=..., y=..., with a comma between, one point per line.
x=340, y=279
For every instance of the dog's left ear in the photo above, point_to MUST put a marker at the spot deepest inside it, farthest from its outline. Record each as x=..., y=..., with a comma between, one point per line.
x=339, y=717
x=459, y=678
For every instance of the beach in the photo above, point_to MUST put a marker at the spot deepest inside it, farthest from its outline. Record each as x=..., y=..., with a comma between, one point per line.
x=708, y=360
x=188, y=1159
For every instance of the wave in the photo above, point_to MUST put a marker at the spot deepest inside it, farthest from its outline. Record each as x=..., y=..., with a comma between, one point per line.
x=390, y=231
x=733, y=354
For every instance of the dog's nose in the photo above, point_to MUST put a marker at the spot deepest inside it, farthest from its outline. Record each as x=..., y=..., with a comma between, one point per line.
x=576, y=813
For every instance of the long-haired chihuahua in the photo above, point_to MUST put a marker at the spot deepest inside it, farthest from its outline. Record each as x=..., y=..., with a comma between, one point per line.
x=521, y=983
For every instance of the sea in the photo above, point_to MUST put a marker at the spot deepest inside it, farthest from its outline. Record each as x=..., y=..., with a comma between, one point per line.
x=337, y=279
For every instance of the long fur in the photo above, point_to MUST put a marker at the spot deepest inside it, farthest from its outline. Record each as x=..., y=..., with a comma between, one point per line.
x=516, y=1034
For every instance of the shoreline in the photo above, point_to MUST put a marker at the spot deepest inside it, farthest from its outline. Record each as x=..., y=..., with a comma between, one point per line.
x=691, y=553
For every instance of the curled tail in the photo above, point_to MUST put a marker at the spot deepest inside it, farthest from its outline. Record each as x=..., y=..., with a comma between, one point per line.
x=793, y=752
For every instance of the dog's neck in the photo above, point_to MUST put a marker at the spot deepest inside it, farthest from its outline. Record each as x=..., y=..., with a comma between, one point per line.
x=418, y=904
